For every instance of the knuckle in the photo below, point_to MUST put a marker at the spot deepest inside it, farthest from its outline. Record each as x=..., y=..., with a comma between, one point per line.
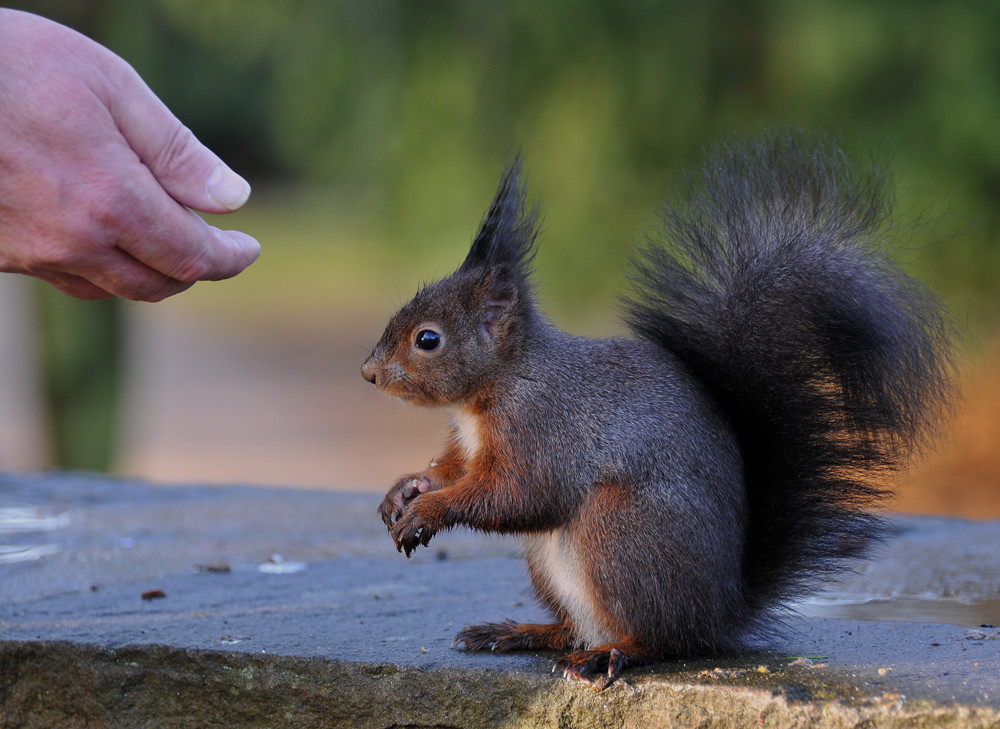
x=195, y=266
x=114, y=207
x=177, y=156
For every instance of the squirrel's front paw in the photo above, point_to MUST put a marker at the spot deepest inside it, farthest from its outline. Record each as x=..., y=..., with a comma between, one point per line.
x=410, y=530
x=400, y=496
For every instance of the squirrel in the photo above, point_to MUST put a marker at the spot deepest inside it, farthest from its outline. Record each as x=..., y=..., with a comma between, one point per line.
x=674, y=490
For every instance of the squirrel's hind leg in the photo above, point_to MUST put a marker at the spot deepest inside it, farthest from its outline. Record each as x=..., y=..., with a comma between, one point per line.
x=510, y=636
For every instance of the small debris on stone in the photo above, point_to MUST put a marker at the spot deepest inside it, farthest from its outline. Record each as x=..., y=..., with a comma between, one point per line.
x=153, y=594
x=276, y=565
x=218, y=567
x=232, y=639
x=806, y=662
x=980, y=635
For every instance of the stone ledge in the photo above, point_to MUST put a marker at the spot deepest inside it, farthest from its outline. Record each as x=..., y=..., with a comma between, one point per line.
x=65, y=685
x=352, y=634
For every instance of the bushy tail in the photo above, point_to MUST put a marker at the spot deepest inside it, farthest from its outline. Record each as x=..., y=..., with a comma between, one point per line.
x=773, y=287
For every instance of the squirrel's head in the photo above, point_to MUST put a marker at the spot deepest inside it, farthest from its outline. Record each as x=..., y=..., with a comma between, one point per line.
x=456, y=335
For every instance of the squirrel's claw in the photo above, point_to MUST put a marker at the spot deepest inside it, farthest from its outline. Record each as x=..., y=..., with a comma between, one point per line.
x=410, y=531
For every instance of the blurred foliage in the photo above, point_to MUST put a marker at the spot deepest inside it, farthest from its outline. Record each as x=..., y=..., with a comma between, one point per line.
x=80, y=368
x=406, y=111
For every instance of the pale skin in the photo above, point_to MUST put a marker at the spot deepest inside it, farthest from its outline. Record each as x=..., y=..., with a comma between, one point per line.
x=99, y=180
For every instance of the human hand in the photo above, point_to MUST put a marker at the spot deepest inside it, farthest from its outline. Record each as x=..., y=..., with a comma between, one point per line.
x=97, y=176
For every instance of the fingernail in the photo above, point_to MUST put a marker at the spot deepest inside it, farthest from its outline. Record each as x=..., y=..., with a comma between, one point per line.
x=227, y=188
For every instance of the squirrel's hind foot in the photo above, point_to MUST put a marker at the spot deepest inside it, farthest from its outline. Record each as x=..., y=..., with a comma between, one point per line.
x=509, y=636
x=597, y=667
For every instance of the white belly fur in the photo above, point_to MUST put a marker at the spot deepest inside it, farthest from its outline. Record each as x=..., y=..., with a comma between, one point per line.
x=555, y=561
x=465, y=425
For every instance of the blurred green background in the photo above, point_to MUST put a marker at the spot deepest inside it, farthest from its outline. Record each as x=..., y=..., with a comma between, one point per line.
x=404, y=112
x=374, y=131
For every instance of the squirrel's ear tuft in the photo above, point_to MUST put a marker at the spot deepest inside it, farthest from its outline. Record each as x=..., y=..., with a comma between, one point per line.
x=507, y=234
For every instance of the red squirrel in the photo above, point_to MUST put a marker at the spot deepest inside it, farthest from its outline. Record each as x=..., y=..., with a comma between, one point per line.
x=673, y=490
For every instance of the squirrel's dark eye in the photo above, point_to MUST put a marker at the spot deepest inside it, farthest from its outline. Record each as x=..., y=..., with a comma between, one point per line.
x=428, y=339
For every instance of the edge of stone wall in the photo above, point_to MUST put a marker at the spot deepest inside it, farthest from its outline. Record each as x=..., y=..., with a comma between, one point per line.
x=53, y=684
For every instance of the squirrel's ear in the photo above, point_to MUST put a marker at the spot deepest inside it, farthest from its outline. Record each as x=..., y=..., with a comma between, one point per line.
x=507, y=233
x=500, y=294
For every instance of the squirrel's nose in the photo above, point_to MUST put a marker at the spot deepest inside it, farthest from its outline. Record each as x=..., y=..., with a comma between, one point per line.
x=368, y=370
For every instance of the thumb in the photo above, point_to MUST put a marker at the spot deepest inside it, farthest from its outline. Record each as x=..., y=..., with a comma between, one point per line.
x=186, y=169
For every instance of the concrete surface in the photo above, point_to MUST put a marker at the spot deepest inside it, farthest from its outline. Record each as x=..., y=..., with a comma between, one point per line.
x=270, y=607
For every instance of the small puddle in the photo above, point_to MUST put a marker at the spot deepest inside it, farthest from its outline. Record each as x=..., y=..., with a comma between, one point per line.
x=28, y=519
x=910, y=609
x=10, y=553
